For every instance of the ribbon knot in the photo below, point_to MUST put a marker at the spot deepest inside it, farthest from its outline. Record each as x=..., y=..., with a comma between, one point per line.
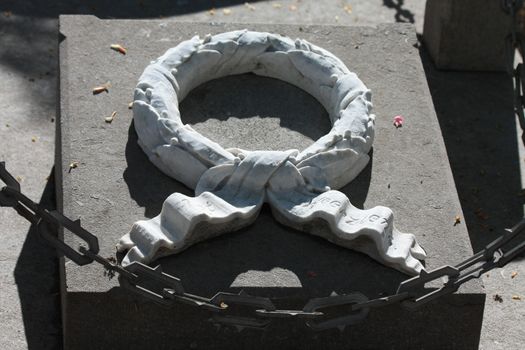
x=249, y=177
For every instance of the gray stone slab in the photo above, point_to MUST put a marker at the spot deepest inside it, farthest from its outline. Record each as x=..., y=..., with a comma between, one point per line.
x=110, y=189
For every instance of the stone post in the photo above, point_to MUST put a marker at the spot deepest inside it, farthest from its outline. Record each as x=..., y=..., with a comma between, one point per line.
x=466, y=34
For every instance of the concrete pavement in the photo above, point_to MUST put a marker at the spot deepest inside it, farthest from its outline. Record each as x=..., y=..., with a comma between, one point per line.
x=474, y=109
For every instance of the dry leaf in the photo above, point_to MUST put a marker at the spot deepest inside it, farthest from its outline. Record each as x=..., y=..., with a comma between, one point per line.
x=118, y=48
x=348, y=8
x=277, y=5
x=33, y=139
x=19, y=178
x=111, y=117
x=516, y=297
x=211, y=12
x=130, y=105
x=105, y=87
x=457, y=220
x=227, y=12
x=73, y=165
x=514, y=274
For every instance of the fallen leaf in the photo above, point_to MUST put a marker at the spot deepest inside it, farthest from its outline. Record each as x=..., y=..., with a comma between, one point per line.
x=33, y=139
x=398, y=121
x=211, y=12
x=457, y=220
x=111, y=117
x=118, y=48
x=130, y=105
x=516, y=297
x=348, y=8
x=277, y=5
x=19, y=179
x=73, y=165
x=105, y=87
x=514, y=274
x=227, y=12
x=497, y=298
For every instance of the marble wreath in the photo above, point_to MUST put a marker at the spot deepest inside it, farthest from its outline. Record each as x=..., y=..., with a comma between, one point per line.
x=231, y=185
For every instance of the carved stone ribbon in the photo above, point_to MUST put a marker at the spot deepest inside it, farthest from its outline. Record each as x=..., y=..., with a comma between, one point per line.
x=232, y=185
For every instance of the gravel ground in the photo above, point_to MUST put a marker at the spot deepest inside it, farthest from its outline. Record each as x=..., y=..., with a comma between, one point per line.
x=474, y=110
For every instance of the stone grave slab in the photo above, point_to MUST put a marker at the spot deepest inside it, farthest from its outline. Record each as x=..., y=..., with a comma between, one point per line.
x=115, y=185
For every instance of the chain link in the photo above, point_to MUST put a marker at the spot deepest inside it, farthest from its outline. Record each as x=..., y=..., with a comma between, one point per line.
x=246, y=311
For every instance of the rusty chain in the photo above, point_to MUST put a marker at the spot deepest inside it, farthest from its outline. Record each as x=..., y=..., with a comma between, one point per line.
x=158, y=286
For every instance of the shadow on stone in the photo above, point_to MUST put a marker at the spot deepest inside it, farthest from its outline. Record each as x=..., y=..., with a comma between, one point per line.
x=268, y=259
x=229, y=110
x=33, y=24
x=147, y=185
x=476, y=115
x=233, y=110
x=402, y=15
x=37, y=278
x=107, y=10
x=133, y=321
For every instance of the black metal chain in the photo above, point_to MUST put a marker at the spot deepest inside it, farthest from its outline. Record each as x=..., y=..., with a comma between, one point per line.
x=152, y=283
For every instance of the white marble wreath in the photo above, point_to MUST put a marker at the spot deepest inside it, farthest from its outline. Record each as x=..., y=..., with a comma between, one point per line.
x=231, y=185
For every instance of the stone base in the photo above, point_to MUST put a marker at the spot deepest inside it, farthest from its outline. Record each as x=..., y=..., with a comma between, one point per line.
x=467, y=34
x=115, y=185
